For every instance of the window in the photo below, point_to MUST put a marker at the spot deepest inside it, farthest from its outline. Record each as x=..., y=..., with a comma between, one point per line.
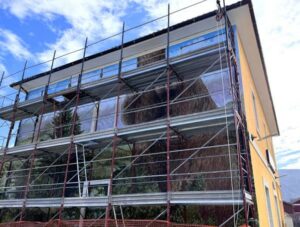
x=269, y=207
x=35, y=93
x=85, y=115
x=277, y=210
x=91, y=76
x=129, y=65
x=151, y=57
x=59, y=86
x=106, y=116
x=25, y=133
x=214, y=82
x=197, y=43
x=46, y=131
x=255, y=111
x=111, y=70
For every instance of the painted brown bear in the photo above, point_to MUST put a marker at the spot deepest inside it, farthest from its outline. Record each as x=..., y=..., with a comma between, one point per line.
x=200, y=169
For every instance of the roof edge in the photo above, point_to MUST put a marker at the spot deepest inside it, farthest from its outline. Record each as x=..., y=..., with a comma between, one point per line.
x=249, y=2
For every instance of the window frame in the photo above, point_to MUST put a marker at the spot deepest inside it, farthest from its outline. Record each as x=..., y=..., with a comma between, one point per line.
x=268, y=205
x=276, y=201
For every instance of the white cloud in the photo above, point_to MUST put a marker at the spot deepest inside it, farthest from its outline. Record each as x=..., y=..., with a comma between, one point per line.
x=94, y=19
x=11, y=44
x=158, y=8
x=97, y=19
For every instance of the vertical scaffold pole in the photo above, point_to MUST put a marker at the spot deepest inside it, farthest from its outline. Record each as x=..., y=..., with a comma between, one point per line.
x=71, y=145
x=12, y=120
x=169, y=71
x=35, y=139
x=115, y=137
x=240, y=123
x=235, y=110
x=2, y=77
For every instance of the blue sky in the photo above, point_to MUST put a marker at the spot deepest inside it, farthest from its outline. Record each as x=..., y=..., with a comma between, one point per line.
x=32, y=29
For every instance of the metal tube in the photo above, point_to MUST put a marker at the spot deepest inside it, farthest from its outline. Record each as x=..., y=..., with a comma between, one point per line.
x=36, y=140
x=72, y=133
x=77, y=167
x=84, y=163
x=2, y=76
x=115, y=138
x=239, y=120
x=168, y=125
x=12, y=124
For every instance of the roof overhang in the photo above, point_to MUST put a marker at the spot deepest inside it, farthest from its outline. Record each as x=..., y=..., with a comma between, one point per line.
x=244, y=19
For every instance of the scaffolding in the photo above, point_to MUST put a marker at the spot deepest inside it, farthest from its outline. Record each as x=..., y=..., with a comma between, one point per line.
x=159, y=141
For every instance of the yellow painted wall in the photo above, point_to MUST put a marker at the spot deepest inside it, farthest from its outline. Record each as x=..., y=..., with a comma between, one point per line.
x=261, y=172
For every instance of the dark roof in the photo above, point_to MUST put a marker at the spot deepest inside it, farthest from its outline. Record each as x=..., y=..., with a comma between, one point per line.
x=141, y=39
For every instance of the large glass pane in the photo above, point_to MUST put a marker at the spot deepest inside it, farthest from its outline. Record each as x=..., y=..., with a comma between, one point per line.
x=197, y=43
x=46, y=132
x=195, y=95
x=111, y=70
x=106, y=114
x=142, y=107
x=152, y=57
x=35, y=93
x=129, y=65
x=206, y=161
x=85, y=114
x=140, y=168
x=91, y=76
x=218, y=85
x=25, y=133
x=59, y=86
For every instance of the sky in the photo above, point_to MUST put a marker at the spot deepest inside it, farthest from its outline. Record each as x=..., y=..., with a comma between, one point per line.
x=31, y=30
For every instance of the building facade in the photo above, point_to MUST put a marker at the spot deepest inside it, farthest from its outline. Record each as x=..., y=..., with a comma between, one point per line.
x=171, y=129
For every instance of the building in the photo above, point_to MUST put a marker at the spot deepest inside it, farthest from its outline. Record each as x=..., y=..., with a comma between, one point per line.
x=292, y=213
x=291, y=195
x=173, y=128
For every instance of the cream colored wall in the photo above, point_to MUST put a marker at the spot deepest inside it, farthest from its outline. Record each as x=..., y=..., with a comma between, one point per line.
x=261, y=172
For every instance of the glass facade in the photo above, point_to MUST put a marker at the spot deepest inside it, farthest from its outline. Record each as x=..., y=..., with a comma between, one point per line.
x=196, y=94
x=206, y=92
x=197, y=43
x=184, y=47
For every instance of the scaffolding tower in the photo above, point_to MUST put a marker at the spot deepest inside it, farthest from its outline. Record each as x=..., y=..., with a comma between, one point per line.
x=160, y=143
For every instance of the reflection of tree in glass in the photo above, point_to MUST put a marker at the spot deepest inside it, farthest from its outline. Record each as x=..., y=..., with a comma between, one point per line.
x=62, y=127
x=25, y=132
x=62, y=124
x=106, y=114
